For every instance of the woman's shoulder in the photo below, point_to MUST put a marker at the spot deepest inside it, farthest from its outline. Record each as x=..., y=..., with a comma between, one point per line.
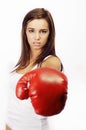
x=52, y=61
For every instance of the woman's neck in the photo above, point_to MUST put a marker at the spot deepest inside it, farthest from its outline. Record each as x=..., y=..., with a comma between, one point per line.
x=34, y=55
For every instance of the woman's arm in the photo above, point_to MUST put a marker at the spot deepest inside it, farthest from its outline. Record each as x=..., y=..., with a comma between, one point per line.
x=53, y=62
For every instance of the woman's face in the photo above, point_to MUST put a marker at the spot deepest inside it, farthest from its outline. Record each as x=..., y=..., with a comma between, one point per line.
x=37, y=33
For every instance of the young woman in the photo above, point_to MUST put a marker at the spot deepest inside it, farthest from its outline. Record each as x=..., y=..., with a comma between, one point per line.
x=38, y=50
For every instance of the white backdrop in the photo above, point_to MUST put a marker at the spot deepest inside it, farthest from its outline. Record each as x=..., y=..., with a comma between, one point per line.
x=70, y=22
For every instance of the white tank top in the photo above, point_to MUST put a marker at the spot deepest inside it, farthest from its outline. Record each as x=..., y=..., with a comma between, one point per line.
x=21, y=115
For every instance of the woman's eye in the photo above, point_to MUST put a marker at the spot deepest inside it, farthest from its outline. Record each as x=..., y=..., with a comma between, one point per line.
x=43, y=31
x=30, y=30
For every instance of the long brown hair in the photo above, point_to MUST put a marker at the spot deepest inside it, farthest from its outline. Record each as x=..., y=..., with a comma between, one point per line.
x=48, y=49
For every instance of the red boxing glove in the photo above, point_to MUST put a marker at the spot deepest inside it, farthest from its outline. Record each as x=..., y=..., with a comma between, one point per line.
x=22, y=87
x=47, y=90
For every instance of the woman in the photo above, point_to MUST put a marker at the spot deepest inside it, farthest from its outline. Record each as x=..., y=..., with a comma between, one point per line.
x=38, y=50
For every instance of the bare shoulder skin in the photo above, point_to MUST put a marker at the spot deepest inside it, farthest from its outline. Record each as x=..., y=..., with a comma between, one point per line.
x=53, y=62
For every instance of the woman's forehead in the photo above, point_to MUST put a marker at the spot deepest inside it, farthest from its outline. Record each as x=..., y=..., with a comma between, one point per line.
x=38, y=23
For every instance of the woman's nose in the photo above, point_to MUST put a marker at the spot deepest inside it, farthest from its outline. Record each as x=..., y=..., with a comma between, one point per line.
x=37, y=35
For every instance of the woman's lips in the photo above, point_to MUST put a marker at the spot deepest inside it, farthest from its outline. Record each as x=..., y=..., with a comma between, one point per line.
x=36, y=43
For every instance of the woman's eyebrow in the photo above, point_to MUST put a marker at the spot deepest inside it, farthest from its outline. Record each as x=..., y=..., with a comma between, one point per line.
x=39, y=29
x=30, y=28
